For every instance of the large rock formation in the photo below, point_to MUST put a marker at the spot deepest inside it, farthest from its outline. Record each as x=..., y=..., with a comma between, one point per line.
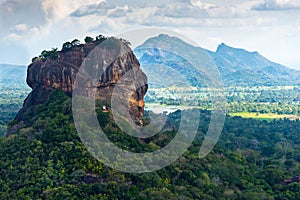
x=108, y=60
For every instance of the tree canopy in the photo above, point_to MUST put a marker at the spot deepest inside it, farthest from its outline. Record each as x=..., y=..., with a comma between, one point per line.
x=47, y=160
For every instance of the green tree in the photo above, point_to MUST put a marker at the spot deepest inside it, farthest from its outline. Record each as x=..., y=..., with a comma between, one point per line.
x=88, y=39
x=100, y=38
x=53, y=54
x=66, y=46
x=75, y=42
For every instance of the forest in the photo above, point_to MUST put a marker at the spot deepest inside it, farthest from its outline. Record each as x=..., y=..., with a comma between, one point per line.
x=12, y=95
x=254, y=159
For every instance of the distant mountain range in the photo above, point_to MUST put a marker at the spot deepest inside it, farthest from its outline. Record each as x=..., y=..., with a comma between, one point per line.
x=237, y=67
x=13, y=74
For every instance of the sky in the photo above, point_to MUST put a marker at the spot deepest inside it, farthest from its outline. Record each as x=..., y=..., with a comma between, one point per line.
x=271, y=27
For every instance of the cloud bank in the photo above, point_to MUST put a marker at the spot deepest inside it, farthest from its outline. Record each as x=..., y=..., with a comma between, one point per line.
x=33, y=25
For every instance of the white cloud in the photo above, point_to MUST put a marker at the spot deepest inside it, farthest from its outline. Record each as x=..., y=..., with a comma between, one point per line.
x=13, y=36
x=185, y=9
x=34, y=30
x=275, y=5
x=101, y=8
x=21, y=28
x=120, y=12
x=201, y=5
x=21, y=31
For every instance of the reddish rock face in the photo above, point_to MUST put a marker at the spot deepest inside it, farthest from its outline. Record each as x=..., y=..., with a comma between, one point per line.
x=110, y=61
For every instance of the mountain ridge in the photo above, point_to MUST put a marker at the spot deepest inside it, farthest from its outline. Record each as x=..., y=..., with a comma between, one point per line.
x=10, y=72
x=238, y=67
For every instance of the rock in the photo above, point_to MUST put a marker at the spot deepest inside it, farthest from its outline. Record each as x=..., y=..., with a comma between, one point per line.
x=91, y=178
x=111, y=60
x=15, y=128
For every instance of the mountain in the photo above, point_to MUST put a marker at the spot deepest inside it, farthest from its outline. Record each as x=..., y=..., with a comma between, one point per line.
x=165, y=67
x=237, y=67
x=241, y=67
x=12, y=73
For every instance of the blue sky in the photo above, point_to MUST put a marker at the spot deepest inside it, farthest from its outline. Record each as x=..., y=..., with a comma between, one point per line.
x=271, y=27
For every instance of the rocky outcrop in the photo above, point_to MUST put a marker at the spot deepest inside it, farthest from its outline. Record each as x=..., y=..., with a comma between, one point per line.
x=108, y=61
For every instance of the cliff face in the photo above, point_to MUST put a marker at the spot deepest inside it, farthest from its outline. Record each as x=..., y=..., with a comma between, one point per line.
x=108, y=63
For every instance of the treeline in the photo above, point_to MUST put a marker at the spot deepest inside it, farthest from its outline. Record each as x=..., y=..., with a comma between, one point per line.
x=54, y=53
x=263, y=108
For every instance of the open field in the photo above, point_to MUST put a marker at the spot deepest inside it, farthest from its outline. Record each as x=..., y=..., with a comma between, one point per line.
x=269, y=116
